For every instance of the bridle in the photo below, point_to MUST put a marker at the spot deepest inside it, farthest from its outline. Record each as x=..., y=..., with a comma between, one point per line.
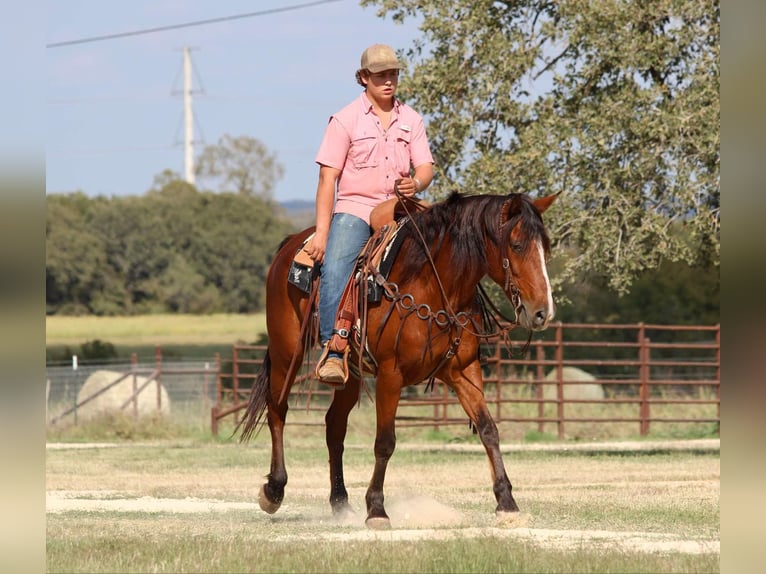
x=511, y=290
x=447, y=320
x=461, y=320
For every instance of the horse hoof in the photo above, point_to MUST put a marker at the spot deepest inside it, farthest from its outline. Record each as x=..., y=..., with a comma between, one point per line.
x=378, y=523
x=514, y=519
x=264, y=502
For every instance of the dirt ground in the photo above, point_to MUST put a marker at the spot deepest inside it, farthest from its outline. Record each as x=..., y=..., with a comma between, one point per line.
x=421, y=517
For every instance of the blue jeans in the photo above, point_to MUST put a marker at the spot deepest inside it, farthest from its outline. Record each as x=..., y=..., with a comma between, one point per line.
x=348, y=235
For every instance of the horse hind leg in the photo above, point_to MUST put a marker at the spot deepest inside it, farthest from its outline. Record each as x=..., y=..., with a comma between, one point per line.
x=273, y=490
x=285, y=309
x=336, y=425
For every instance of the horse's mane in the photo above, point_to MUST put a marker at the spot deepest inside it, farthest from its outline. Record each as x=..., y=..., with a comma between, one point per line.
x=468, y=221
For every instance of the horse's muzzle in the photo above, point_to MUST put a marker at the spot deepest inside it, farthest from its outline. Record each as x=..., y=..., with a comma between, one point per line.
x=536, y=320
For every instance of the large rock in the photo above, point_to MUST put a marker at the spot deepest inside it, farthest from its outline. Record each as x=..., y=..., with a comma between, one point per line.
x=111, y=400
x=586, y=390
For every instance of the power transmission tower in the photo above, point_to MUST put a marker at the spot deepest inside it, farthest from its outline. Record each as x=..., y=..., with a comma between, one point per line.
x=188, y=120
x=188, y=116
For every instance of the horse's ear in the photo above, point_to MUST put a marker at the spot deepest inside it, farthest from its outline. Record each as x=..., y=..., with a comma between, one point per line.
x=505, y=211
x=544, y=203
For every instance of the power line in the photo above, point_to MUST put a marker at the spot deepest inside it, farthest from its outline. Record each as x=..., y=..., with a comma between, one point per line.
x=186, y=25
x=70, y=152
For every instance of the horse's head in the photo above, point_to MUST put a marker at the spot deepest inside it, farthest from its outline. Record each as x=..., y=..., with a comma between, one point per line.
x=524, y=248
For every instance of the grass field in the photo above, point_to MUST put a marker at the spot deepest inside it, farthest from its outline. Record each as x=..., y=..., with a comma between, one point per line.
x=145, y=330
x=165, y=496
x=187, y=336
x=191, y=506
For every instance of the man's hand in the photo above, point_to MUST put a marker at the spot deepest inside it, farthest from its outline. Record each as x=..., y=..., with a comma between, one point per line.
x=316, y=247
x=407, y=186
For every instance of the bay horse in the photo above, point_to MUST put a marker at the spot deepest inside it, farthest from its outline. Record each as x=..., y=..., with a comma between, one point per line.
x=426, y=326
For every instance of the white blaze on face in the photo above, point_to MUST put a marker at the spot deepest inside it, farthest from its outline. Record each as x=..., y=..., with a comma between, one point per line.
x=544, y=267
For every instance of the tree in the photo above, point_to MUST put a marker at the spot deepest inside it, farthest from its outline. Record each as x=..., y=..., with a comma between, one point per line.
x=234, y=240
x=76, y=270
x=613, y=104
x=167, y=178
x=240, y=164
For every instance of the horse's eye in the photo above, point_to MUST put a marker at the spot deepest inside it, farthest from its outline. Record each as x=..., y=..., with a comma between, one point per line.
x=516, y=248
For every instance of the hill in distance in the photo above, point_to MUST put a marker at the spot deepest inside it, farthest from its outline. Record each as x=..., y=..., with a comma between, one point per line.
x=299, y=212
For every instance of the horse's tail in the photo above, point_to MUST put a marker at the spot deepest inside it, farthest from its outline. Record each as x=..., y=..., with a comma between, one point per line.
x=258, y=402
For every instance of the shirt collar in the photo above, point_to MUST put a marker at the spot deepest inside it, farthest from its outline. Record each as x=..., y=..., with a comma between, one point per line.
x=367, y=104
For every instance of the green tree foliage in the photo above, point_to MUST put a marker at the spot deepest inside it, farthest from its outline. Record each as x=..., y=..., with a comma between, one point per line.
x=173, y=250
x=240, y=164
x=613, y=104
x=76, y=273
x=673, y=293
x=234, y=240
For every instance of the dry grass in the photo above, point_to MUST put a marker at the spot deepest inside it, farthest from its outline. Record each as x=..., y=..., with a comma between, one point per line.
x=674, y=492
x=178, y=506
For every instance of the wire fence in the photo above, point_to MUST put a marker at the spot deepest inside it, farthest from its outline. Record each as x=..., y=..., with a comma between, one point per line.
x=184, y=390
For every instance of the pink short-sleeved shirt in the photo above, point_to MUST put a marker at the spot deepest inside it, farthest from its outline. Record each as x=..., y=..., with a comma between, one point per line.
x=369, y=158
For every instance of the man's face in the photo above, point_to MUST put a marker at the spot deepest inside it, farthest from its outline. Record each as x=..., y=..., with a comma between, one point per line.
x=383, y=84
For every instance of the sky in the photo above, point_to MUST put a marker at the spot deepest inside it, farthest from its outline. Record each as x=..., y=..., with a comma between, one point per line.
x=115, y=107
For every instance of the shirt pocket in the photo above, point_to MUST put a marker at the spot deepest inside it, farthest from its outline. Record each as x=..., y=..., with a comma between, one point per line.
x=403, y=148
x=361, y=153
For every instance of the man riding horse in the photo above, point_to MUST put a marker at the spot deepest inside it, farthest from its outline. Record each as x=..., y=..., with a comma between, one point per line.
x=372, y=148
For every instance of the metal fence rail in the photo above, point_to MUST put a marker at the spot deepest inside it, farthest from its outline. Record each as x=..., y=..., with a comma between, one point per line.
x=632, y=370
x=642, y=380
x=648, y=375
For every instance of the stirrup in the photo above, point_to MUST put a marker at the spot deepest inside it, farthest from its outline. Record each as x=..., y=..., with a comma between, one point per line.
x=343, y=360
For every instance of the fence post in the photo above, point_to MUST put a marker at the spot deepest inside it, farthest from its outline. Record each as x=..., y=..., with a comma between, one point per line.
x=718, y=374
x=498, y=383
x=206, y=385
x=540, y=377
x=214, y=419
x=436, y=408
x=218, y=381
x=133, y=367
x=235, y=380
x=216, y=409
x=76, y=387
x=559, y=380
x=158, y=366
x=643, y=375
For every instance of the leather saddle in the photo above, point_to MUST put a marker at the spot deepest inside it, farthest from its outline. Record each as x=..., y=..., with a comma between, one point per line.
x=364, y=285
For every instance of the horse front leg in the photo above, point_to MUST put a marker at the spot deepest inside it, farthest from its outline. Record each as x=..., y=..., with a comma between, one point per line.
x=469, y=387
x=386, y=403
x=336, y=425
x=501, y=484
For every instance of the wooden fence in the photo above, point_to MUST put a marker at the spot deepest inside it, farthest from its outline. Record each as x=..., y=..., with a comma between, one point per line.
x=640, y=373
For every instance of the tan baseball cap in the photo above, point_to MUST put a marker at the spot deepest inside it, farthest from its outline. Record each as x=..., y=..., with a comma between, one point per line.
x=379, y=57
